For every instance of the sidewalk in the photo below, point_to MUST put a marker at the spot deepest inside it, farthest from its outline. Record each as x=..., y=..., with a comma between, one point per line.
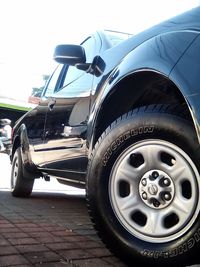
x=49, y=229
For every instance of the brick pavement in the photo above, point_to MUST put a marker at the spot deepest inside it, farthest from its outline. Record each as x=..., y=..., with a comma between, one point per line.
x=49, y=229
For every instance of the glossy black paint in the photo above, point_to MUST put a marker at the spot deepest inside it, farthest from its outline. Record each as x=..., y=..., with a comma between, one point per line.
x=76, y=54
x=57, y=136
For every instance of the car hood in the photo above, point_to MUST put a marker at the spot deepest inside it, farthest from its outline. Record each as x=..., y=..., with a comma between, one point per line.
x=186, y=21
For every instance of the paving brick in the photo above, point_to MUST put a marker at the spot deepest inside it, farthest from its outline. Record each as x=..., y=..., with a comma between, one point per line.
x=62, y=233
x=31, y=248
x=6, y=225
x=3, y=221
x=3, y=242
x=56, y=264
x=55, y=228
x=9, y=230
x=52, y=239
x=89, y=244
x=45, y=224
x=22, y=241
x=91, y=263
x=100, y=252
x=8, y=250
x=26, y=225
x=14, y=235
x=75, y=254
x=11, y=260
x=76, y=238
x=41, y=234
x=32, y=230
x=19, y=220
x=42, y=257
x=12, y=216
x=60, y=246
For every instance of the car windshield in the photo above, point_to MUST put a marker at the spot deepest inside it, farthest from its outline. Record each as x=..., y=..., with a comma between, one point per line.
x=116, y=37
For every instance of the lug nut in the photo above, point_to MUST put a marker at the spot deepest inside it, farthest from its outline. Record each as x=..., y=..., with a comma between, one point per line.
x=144, y=182
x=144, y=196
x=166, y=182
x=154, y=175
x=167, y=196
x=156, y=203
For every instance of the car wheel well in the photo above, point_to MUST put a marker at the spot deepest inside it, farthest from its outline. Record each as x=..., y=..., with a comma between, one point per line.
x=136, y=90
x=15, y=145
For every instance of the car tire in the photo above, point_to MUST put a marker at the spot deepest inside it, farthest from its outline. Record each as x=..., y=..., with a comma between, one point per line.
x=143, y=187
x=20, y=186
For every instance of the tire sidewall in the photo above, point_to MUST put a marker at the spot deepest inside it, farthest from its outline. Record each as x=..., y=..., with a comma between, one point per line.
x=23, y=185
x=17, y=157
x=146, y=126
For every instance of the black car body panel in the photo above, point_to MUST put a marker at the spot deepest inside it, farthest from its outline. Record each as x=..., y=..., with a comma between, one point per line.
x=57, y=136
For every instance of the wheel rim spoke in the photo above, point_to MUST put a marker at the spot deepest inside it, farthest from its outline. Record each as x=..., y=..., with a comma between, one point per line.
x=129, y=203
x=151, y=157
x=128, y=173
x=154, y=224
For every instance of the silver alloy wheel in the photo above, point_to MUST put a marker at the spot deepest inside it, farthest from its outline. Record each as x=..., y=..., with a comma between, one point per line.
x=15, y=171
x=154, y=190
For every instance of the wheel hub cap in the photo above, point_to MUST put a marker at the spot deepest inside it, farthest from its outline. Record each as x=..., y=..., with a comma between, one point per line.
x=156, y=189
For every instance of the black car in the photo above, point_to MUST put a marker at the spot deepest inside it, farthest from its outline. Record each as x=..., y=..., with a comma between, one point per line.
x=120, y=116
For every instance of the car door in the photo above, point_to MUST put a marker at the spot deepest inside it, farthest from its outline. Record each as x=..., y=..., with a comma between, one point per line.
x=35, y=122
x=66, y=120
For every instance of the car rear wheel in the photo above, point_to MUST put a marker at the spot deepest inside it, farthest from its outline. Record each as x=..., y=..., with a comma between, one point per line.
x=20, y=186
x=143, y=187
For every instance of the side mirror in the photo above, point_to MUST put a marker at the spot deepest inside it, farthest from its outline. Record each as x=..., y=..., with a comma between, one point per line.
x=69, y=54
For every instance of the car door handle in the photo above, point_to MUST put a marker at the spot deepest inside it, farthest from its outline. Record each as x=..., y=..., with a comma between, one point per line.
x=51, y=104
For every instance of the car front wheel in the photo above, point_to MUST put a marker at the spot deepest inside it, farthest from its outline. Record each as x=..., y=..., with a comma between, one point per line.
x=143, y=187
x=20, y=186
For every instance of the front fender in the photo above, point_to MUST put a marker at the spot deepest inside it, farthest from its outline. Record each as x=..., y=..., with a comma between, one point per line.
x=159, y=54
x=186, y=76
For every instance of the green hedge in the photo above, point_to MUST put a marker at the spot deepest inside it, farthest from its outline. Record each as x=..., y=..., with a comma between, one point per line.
x=10, y=106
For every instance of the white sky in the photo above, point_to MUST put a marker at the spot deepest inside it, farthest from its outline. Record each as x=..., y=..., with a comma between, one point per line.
x=30, y=29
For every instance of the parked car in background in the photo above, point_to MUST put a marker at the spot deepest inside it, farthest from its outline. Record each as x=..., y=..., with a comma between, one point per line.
x=34, y=99
x=120, y=116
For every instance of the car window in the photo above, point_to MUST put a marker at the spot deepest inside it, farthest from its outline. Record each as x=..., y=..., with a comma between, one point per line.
x=78, y=88
x=54, y=81
x=78, y=82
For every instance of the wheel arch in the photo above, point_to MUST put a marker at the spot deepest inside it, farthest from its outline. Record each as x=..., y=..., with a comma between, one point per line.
x=142, y=78
x=21, y=140
x=16, y=143
x=140, y=88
